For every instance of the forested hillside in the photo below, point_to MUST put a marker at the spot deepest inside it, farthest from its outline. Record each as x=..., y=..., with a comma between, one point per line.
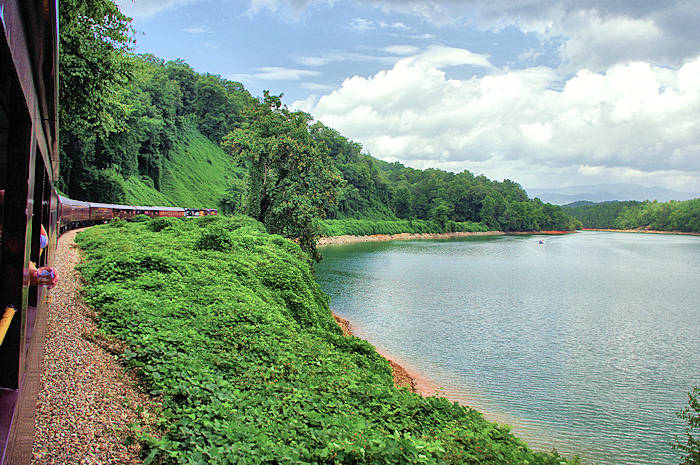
x=154, y=130
x=674, y=215
x=166, y=119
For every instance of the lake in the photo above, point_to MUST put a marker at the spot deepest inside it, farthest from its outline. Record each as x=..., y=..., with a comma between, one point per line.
x=587, y=343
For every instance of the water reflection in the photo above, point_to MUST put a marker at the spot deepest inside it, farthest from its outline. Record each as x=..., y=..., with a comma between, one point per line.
x=587, y=342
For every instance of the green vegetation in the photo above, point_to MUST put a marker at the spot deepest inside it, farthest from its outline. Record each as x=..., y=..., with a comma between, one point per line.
x=156, y=126
x=690, y=449
x=226, y=323
x=378, y=190
x=661, y=216
x=598, y=215
x=94, y=39
x=139, y=190
x=155, y=133
x=291, y=180
x=355, y=227
x=196, y=161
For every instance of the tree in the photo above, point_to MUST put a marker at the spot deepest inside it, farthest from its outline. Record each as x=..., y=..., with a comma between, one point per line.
x=403, y=204
x=691, y=448
x=291, y=179
x=439, y=214
x=94, y=39
x=93, y=66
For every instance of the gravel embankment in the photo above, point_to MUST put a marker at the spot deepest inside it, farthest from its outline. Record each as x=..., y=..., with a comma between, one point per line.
x=87, y=398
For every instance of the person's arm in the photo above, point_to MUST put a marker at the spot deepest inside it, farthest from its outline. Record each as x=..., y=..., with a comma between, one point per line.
x=44, y=276
x=33, y=278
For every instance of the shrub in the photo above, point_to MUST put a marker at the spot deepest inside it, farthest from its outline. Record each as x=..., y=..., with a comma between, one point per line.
x=364, y=227
x=239, y=343
x=690, y=449
x=218, y=239
x=117, y=223
x=160, y=223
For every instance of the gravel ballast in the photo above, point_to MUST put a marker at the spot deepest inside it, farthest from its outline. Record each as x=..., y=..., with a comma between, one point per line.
x=87, y=399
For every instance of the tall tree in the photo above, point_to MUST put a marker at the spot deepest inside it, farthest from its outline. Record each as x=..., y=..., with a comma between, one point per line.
x=291, y=179
x=94, y=37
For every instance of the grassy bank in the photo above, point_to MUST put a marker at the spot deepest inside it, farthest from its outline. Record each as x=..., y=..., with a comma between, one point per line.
x=227, y=325
x=363, y=227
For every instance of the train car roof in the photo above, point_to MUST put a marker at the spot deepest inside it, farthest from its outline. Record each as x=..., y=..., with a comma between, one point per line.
x=111, y=205
x=166, y=209
x=67, y=201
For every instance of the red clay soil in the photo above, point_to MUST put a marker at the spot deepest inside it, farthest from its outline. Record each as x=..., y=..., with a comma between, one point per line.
x=401, y=376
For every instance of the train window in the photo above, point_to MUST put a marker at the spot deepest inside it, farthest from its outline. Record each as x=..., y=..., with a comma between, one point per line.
x=36, y=255
x=15, y=153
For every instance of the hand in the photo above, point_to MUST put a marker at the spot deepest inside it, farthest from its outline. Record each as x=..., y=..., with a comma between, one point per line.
x=47, y=276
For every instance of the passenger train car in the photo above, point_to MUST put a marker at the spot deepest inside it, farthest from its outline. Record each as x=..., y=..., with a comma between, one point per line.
x=28, y=201
x=28, y=169
x=75, y=213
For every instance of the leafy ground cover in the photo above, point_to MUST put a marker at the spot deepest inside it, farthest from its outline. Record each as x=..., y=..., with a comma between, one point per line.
x=366, y=227
x=228, y=326
x=139, y=190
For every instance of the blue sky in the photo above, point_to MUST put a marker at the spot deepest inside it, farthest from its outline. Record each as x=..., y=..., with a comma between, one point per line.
x=547, y=93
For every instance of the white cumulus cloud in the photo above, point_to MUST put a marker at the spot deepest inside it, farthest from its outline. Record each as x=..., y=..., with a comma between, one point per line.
x=401, y=49
x=635, y=118
x=274, y=73
x=198, y=30
x=291, y=8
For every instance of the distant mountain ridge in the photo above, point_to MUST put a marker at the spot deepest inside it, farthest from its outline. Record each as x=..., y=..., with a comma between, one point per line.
x=607, y=192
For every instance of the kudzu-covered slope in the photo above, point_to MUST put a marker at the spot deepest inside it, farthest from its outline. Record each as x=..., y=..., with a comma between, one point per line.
x=227, y=324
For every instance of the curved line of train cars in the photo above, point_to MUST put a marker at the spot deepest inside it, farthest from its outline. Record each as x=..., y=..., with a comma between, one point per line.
x=75, y=213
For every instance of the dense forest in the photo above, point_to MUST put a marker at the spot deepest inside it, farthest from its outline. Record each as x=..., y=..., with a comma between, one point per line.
x=283, y=165
x=652, y=215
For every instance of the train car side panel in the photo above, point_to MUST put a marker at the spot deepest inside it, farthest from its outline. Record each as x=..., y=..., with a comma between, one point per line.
x=72, y=213
x=28, y=165
x=100, y=212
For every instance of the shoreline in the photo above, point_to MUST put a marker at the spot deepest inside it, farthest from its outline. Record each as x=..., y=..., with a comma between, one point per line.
x=349, y=238
x=408, y=377
x=404, y=375
x=644, y=231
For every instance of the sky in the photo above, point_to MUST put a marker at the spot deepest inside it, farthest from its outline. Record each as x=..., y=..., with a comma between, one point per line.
x=547, y=93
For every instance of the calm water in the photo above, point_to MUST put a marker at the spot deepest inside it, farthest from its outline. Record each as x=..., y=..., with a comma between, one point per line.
x=587, y=343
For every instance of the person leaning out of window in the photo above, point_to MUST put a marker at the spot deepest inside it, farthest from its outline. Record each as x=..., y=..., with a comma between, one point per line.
x=46, y=275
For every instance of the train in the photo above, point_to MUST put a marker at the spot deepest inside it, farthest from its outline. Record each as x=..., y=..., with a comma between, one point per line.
x=75, y=213
x=32, y=211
